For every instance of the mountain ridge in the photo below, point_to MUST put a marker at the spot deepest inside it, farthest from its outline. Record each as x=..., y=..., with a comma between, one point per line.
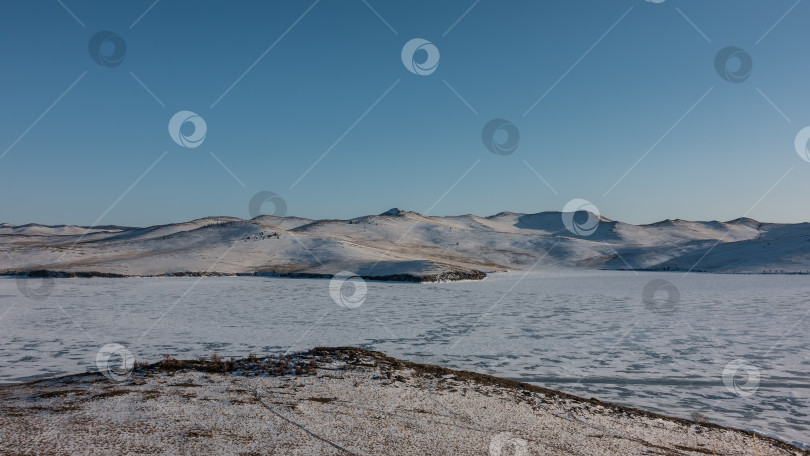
x=398, y=243
x=399, y=212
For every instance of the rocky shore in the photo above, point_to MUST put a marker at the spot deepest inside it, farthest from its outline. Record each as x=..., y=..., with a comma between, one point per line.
x=337, y=401
x=445, y=276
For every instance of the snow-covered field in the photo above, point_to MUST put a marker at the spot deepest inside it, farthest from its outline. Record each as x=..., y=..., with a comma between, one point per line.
x=587, y=333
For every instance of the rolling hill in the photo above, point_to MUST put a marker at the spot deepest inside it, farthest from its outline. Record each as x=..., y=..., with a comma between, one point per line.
x=401, y=245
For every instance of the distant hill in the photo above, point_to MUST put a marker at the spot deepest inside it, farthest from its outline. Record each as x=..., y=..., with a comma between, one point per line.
x=400, y=244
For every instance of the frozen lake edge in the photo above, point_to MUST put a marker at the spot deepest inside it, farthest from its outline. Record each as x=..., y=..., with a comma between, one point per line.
x=587, y=333
x=340, y=401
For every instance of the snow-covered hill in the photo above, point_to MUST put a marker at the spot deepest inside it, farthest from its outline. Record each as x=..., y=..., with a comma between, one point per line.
x=399, y=243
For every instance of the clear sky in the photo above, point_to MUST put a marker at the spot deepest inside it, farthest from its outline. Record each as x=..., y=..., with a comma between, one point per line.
x=591, y=86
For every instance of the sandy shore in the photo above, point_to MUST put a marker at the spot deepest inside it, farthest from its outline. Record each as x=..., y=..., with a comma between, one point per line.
x=337, y=401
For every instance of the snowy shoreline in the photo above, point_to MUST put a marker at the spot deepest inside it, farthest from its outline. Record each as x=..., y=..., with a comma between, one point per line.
x=338, y=401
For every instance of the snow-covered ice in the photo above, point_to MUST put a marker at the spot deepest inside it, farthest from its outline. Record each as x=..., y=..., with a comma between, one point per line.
x=587, y=333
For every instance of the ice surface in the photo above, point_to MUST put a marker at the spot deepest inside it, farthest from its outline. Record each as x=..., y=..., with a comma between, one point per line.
x=588, y=333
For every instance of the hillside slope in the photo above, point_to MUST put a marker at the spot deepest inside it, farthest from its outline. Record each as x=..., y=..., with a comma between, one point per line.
x=397, y=243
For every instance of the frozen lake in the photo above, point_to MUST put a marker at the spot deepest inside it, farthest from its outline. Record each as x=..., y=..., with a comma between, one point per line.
x=589, y=334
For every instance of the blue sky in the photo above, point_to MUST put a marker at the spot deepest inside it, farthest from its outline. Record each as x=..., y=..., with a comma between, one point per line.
x=619, y=77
